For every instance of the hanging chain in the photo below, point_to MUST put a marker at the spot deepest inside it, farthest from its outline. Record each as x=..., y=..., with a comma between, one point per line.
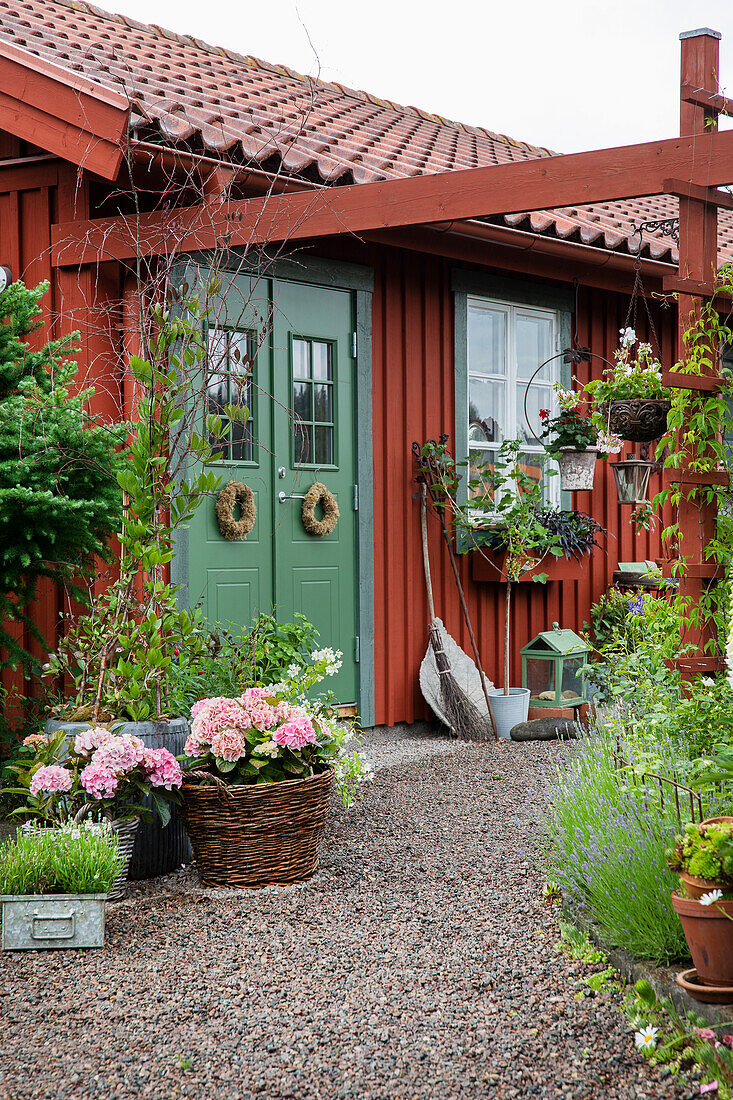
x=638, y=288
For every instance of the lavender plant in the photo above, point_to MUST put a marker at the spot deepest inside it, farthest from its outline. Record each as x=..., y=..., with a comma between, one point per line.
x=607, y=840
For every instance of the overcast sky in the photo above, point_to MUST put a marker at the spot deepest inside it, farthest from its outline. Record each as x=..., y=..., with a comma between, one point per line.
x=566, y=74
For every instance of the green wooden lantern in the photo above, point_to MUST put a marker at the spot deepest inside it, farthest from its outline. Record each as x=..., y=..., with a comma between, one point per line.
x=552, y=668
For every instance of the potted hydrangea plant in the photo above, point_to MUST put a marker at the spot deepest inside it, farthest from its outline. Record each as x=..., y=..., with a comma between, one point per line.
x=54, y=884
x=260, y=771
x=630, y=399
x=575, y=440
x=100, y=774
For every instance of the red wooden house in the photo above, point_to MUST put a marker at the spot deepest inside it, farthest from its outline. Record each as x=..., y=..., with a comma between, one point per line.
x=380, y=336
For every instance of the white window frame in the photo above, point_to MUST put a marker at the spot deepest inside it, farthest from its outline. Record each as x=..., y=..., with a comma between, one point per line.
x=513, y=411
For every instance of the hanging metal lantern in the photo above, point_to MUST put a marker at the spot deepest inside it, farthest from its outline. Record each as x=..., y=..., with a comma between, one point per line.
x=632, y=479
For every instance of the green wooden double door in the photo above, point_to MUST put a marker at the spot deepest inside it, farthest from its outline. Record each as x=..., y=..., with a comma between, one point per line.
x=286, y=350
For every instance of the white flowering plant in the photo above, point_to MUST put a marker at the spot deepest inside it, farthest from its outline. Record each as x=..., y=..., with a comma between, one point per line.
x=71, y=859
x=273, y=733
x=635, y=373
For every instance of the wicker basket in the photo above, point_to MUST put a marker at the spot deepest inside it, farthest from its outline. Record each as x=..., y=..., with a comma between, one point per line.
x=125, y=828
x=258, y=835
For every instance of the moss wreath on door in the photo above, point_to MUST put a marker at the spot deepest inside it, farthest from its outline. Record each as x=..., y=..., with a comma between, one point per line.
x=235, y=496
x=319, y=494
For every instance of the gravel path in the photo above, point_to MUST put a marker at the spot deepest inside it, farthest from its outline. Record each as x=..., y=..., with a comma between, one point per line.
x=419, y=962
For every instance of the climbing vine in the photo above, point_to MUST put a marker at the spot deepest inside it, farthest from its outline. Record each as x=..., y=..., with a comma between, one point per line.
x=698, y=425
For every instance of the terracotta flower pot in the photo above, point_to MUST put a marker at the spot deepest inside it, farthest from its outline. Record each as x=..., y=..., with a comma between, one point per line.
x=696, y=887
x=709, y=935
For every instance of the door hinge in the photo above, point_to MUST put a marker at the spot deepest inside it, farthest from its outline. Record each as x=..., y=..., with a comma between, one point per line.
x=355, y=498
x=353, y=345
x=356, y=649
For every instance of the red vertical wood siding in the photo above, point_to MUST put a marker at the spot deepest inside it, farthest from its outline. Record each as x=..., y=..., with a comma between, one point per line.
x=413, y=398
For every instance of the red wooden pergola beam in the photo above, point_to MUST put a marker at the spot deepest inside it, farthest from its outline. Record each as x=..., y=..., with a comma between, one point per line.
x=697, y=288
x=703, y=383
x=602, y=175
x=686, y=190
x=711, y=101
x=61, y=111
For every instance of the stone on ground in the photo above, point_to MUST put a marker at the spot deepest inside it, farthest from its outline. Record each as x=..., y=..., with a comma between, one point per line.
x=545, y=729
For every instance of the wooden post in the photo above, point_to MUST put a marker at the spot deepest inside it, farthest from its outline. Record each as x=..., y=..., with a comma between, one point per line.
x=698, y=259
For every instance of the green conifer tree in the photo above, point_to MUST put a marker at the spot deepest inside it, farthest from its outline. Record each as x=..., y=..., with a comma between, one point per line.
x=59, y=496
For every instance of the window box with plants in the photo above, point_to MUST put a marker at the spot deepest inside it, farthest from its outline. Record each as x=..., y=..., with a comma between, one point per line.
x=54, y=884
x=630, y=400
x=576, y=533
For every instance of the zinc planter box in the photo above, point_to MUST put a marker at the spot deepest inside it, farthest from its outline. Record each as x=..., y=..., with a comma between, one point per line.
x=34, y=921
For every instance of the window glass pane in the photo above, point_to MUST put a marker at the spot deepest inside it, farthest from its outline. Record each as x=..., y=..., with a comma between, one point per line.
x=218, y=342
x=241, y=439
x=537, y=397
x=240, y=352
x=534, y=345
x=485, y=411
x=324, y=403
x=480, y=467
x=302, y=400
x=301, y=359
x=486, y=340
x=321, y=360
x=301, y=442
x=533, y=465
x=324, y=445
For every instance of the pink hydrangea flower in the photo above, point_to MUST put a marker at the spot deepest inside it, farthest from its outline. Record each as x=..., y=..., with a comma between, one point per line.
x=163, y=768
x=120, y=754
x=193, y=746
x=218, y=714
x=297, y=731
x=89, y=740
x=228, y=744
x=98, y=781
x=51, y=779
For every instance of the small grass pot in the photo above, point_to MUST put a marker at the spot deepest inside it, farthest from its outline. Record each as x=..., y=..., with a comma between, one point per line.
x=34, y=921
x=54, y=883
x=709, y=933
x=260, y=834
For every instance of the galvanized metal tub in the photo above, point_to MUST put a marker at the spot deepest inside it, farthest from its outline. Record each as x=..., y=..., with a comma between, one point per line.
x=35, y=921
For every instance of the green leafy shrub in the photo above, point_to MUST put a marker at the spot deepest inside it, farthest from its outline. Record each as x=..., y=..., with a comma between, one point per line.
x=226, y=664
x=59, y=496
x=83, y=859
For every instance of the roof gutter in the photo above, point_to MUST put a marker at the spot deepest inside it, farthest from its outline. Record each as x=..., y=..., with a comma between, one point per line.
x=550, y=246
x=171, y=159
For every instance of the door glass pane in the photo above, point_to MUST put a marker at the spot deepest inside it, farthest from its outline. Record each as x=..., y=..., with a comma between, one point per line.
x=537, y=397
x=217, y=349
x=216, y=399
x=324, y=446
x=301, y=359
x=534, y=345
x=301, y=442
x=485, y=411
x=486, y=340
x=323, y=403
x=302, y=400
x=322, y=360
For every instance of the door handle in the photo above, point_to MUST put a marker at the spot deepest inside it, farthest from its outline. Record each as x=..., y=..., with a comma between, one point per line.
x=282, y=497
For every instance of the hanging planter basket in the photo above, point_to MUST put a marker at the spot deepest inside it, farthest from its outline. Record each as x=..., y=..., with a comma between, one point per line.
x=260, y=834
x=577, y=468
x=640, y=420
